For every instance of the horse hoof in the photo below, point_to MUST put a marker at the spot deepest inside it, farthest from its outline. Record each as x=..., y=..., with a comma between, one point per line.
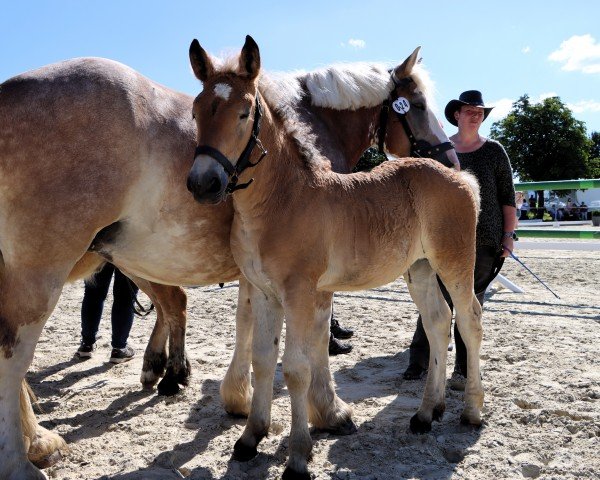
x=289, y=474
x=419, y=426
x=243, y=453
x=168, y=387
x=346, y=428
x=465, y=421
x=48, y=460
x=234, y=414
x=438, y=412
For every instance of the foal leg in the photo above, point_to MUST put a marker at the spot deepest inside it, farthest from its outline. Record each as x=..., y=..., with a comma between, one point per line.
x=307, y=326
x=236, y=387
x=27, y=297
x=468, y=319
x=326, y=411
x=436, y=315
x=265, y=347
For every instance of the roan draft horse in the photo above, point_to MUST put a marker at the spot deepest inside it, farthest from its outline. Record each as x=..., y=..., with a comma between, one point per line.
x=301, y=231
x=93, y=163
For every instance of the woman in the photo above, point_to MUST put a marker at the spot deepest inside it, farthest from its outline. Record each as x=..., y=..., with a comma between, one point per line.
x=488, y=161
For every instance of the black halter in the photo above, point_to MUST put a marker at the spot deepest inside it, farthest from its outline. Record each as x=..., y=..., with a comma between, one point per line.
x=244, y=160
x=418, y=148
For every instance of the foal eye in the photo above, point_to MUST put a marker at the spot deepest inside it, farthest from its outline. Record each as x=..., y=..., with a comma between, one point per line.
x=244, y=115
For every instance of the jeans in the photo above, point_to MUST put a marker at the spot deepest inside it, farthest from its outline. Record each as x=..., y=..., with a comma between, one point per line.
x=96, y=290
x=487, y=259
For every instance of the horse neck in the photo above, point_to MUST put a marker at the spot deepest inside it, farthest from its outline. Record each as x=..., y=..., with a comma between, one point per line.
x=277, y=176
x=345, y=133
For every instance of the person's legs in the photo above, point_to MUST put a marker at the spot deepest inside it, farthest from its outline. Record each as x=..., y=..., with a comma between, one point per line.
x=419, y=347
x=124, y=292
x=337, y=330
x=94, y=296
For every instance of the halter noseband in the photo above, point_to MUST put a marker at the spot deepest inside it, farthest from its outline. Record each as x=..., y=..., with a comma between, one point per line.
x=418, y=148
x=234, y=171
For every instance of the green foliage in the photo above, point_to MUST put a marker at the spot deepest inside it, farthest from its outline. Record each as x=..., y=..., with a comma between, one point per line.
x=596, y=213
x=594, y=161
x=544, y=141
x=369, y=160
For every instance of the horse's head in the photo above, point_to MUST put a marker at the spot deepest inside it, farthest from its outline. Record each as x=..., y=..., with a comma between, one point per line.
x=227, y=114
x=408, y=125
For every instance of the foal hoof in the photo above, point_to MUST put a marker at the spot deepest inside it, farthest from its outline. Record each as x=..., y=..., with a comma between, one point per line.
x=419, y=426
x=438, y=412
x=289, y=474
x=243, y=453
x=168, y=386
x=466, y=421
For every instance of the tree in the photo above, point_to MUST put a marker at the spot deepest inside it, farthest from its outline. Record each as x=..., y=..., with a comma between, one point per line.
x=544, y=141
x=594, y=161
x=369, y=160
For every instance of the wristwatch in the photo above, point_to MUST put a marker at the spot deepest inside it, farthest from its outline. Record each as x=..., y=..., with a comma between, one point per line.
x=512, y=235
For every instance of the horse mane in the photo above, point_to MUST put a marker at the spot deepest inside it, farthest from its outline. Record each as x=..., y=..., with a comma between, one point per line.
x=341, y=86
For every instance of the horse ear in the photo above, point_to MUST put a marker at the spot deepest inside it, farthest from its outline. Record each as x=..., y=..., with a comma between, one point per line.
x=201, y=63
x=405, y=69
x=250, y=59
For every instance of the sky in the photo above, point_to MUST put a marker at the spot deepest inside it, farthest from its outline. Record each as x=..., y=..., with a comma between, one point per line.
x=505, y=49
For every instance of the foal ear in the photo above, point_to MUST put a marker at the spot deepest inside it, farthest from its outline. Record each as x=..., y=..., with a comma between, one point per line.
x=201, y=63
x=405, y=69
x=250, y=59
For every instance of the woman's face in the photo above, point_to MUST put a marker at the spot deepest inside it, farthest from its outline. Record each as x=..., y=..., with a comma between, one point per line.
x=469, y=117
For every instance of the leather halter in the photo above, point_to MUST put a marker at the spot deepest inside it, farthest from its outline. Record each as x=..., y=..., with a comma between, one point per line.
x=234, y=171
x=418, y=148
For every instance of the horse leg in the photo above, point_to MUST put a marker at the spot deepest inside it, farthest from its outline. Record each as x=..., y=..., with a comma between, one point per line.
x=155, y=356
x=305, y=345
x=27, y=298
x=236, y=387
x=468, y=319
x=326, y=411
x=43, y=446
x=265, y=347
x=437, y=318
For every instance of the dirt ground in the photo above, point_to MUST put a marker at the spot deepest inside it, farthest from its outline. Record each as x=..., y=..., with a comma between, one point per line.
x=540, y=362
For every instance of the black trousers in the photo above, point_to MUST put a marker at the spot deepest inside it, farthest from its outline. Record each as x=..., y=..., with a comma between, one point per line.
x=94, y=296
x=487, y=265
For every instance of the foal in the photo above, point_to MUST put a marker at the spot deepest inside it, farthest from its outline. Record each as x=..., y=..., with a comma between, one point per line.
x=301, y=232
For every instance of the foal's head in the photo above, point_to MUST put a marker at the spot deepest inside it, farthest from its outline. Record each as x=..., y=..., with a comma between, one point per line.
x=227, y=114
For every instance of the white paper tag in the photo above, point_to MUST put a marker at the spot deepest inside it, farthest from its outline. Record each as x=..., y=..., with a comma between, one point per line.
x=401, y=105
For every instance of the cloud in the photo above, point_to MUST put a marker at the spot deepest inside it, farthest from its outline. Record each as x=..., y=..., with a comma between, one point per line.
x=585, y=106
x=501, y=108
x=580, y=53
x=526, y=49
x=356, y=43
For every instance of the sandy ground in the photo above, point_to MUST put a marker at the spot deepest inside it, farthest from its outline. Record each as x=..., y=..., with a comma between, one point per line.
x=540, y=361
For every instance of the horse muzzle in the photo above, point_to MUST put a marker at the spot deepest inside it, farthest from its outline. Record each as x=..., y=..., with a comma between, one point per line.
x=207, y=183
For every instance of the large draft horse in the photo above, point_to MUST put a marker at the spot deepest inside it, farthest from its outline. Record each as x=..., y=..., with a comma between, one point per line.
x=301, y=231
x=93, y=163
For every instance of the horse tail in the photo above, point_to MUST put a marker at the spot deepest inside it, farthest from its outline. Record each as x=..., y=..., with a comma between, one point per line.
x=473, y=184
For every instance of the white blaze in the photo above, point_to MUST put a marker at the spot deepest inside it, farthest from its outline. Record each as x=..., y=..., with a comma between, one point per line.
x=222, y=90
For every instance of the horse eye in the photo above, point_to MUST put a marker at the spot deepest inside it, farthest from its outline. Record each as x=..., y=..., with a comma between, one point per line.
x=419, y=106
x=244, y=115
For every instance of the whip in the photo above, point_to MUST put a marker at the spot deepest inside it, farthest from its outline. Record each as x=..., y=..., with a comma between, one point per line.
x=529, y=270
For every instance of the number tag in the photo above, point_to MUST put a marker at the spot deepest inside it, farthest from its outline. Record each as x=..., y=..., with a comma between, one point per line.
x=401, y=105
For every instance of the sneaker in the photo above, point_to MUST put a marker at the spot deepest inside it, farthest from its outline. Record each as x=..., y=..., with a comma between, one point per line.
x=339, y=331
x=120, y=355
x=457, y=382
x=85, y=351
x=338, y=348
x=414, y=371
